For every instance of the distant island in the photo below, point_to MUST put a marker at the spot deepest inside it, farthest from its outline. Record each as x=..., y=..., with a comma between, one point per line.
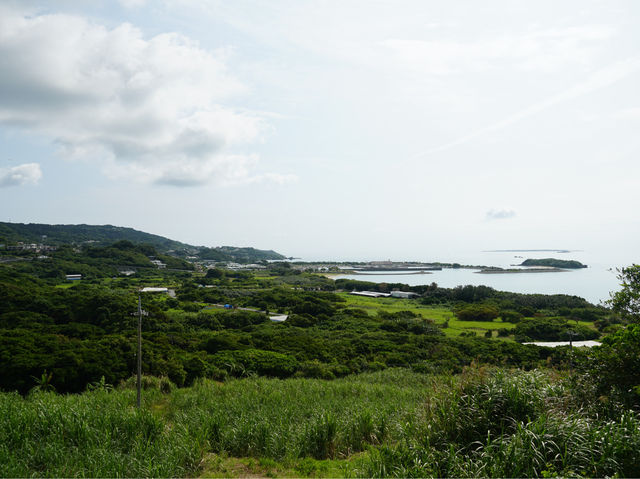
x=544, y=265
x=554, y=263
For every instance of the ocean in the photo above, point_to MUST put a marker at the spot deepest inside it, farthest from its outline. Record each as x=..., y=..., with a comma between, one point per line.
x=594, y=283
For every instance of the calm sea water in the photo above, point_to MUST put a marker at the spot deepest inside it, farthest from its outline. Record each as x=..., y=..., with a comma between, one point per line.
x=594, y=283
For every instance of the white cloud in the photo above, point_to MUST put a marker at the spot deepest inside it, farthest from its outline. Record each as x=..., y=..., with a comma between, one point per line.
x=27, y=173
x=500, y=214
x=158, y=107
x=544, y=50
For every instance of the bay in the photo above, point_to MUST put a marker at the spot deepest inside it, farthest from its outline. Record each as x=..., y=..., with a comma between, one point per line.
x=594, y=283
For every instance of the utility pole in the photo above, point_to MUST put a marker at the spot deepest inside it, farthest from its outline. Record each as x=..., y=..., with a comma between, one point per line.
x=139, y=313
x=571, y=335
x=139, y=381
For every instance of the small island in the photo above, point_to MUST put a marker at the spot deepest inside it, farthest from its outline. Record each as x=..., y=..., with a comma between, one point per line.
x=554, y=263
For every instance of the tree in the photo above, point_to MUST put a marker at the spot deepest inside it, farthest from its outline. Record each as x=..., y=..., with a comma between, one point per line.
x=627, y=300
x=477, y=312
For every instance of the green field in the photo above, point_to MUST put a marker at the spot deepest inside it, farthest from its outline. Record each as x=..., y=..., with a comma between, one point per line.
x=439, y=314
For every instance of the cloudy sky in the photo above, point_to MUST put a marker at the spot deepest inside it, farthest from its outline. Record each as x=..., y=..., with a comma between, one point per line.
x=352, y=129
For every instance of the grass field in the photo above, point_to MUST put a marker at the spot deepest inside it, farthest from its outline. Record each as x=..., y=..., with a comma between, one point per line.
x=303, y=426
x=438, y=314
x=392, y=423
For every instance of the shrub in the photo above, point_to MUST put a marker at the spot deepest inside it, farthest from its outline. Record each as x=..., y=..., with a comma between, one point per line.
x=552, y=329
x=510, y=316
x=477, y=312
x=267, y=363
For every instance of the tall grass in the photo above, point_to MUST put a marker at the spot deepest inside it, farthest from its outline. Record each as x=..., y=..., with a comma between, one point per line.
x=300, y=417
x=483, y=423
x=94, y=434
x=509, y=424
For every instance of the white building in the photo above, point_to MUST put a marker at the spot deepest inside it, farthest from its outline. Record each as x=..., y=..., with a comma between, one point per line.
x=370, y=294
x=404, y=294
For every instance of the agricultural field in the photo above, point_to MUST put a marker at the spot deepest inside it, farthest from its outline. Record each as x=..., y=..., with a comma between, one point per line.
x=440, y=315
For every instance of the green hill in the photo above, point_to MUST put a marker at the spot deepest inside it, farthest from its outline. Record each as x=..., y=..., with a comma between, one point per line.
x=102, y=235
x=78, y=234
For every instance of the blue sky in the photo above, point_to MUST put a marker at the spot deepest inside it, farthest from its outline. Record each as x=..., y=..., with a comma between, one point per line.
x=327, y=129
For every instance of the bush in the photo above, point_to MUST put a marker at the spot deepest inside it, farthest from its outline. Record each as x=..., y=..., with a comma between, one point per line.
x=265, y=363
x=510, y=316
x=552, y=329
x=614, y=367
x=477, y=312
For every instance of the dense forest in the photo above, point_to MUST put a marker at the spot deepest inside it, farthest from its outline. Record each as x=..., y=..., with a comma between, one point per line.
x=414, y=369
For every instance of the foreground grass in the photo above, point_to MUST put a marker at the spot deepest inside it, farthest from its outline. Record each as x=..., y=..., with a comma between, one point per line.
x=301, y=417
x=393, y=423
x=98, y=434
x=298, y=422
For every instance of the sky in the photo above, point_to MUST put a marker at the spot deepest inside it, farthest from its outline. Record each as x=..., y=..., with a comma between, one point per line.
x=328, y=129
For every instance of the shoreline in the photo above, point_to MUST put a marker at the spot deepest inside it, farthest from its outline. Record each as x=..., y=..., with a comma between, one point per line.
x=389, y=273
x=520, y=271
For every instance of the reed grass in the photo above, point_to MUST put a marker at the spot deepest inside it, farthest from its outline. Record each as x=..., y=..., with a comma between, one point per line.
x=300, y=417
x=98, y=434
x=391, y=423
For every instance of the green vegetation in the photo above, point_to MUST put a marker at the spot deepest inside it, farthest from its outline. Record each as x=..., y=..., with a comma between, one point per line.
x=477, y=312
x=627, y=301
x=77, y=234
x=553, y=329
x=435, y=386
x=56, y=235
x=79, y=332
x=554, y=263
x=393, y=423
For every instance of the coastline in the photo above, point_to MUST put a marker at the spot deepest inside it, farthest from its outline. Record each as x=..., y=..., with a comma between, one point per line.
x=518, y=271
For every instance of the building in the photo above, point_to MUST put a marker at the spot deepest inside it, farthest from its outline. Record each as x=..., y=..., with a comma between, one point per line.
x=370, y=294
x=404, y=294
x=74, y=277
x=154, y=290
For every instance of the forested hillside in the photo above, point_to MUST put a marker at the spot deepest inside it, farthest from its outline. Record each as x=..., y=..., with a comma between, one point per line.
x=100, y=235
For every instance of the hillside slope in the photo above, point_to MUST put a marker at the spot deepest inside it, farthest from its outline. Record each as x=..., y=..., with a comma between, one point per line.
x=11, y=233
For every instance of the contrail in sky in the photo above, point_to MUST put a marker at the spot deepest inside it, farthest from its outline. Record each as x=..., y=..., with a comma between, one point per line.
x=599, y=79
